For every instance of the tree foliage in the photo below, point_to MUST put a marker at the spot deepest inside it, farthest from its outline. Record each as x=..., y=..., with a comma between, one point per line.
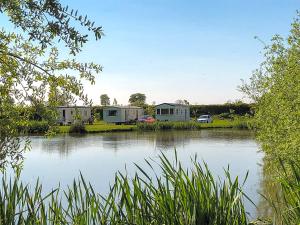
x=104, y=100
x=115, y=102
x=137, y=99
x=32, y=68
x=182, y=102
x=46, y=20
x=275, y=88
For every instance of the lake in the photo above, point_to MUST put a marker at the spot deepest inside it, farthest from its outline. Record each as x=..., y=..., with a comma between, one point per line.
x=98, y=157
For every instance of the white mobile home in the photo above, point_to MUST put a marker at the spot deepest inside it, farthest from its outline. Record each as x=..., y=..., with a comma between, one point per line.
x=67, y=114
x=172, y=112
x=122, y=114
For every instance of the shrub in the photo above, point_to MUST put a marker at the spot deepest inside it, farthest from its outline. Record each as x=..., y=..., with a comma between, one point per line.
x=97, y=112
x=33, y=126
x=78, y=127
x=225, y=109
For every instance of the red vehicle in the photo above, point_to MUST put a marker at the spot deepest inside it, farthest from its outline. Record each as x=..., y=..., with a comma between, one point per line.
x=146, y=119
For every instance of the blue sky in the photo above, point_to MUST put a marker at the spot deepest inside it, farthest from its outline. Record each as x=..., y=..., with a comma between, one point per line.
x=173, y=49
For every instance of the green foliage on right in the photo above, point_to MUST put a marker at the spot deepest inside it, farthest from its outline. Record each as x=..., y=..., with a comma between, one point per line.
x=275, y=89
x=290, y=203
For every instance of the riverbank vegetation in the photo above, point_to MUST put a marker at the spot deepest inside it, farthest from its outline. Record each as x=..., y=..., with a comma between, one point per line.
x=43, y=127
x=100, y=126
x=238, y=122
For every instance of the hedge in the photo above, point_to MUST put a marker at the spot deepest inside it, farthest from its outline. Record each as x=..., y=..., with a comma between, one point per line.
x=238, y=109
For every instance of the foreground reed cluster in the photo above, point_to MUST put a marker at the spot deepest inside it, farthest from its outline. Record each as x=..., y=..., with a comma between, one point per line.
x=287, y=203
x=176, y=196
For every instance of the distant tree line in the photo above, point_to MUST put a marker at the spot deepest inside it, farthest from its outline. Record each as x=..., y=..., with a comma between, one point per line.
x=232, y=108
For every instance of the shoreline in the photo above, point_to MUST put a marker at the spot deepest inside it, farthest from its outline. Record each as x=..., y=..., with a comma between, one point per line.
x=102, y=127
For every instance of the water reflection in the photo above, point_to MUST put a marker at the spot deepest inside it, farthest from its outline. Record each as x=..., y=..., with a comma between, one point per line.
x=271, y=190
x=99, y=156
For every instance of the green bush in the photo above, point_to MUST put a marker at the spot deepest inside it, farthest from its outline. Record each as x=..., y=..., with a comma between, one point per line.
x=97, y=112
x=77, y=128
x=225, y=109
x=33, y=127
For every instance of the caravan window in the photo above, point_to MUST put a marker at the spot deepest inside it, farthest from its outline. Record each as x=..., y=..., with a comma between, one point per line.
x=112, y=112
x=171, y=111
x=164, y=111
x=158, y=111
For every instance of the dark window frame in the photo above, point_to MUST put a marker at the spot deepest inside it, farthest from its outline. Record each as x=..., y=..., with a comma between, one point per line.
x=112, y=112
x=165, y=111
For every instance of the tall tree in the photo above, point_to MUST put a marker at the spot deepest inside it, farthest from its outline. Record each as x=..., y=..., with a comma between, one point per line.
x=182, y=102
x=115, y=102
x=137, y=99
x=104, y=100
x=32, y=70
x=275, y=90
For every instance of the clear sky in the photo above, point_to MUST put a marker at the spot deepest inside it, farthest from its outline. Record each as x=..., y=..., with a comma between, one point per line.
x=197, y=50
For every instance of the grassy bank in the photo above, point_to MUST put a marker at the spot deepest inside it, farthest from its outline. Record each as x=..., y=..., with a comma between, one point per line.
x=240, y=123
x=41, y=127
x=217, y=123
x=100, y=127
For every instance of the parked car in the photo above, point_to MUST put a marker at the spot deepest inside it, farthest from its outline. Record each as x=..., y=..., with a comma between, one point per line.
x=146, y=119
x=205, y=119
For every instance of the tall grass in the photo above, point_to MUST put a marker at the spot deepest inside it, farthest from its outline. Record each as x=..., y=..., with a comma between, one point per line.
x=192, y=125
x=176, y=196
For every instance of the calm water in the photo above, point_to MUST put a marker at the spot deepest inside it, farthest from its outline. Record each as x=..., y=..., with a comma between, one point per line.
x=99, y=156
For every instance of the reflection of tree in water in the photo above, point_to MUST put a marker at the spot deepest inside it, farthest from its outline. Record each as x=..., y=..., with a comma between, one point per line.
x=116, y=140
x=162, y=140
x=159, y=140
x=269, y=188
x=65, y=144
x=171, y=140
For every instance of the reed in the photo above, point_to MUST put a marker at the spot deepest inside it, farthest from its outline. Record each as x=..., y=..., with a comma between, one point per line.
x=176, y=196
x=192, y=125
x=287, y=202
